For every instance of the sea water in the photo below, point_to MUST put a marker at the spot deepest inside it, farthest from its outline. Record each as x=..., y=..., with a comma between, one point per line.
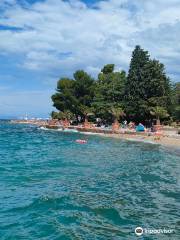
x=54, y=188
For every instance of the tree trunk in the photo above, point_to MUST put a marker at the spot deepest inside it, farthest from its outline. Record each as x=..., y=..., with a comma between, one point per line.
x=115, y=126
x=86, y=123
x=158, y=121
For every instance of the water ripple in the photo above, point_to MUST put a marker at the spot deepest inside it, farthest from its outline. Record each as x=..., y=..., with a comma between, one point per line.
x=54, y=188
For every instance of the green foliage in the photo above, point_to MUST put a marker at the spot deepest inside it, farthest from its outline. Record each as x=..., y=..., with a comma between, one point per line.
x=177, y=113
x=147, y=86
x=175, y=95
x=159, y=112
x=146, y=92
x=117, y=112
x=109, y=68
x=55, y=115
x=62, y=115
x=64, y=97
x=67, y=115
x=109, y=91
x=72, y=94
x=84, y=88
x=87, y=111
x=134, y=91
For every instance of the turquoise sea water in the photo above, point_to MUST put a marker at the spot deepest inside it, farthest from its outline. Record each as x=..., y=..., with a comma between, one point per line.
x=53, y=188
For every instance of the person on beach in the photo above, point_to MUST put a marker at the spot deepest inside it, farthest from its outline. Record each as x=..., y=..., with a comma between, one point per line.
x=131, y=125
x=125, y=124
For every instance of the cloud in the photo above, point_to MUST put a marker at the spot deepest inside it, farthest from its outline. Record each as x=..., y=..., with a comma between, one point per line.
x=106, y=32
x=56, y=37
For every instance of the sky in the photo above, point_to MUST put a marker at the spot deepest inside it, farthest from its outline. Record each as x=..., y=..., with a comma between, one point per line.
x=44, y=40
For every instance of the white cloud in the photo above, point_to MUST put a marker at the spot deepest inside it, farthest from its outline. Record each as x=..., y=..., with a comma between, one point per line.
x=59, y=37
x=94, y=36
x=106, y=33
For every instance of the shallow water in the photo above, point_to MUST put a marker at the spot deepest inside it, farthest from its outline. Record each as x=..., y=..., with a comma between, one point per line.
x=53, y=188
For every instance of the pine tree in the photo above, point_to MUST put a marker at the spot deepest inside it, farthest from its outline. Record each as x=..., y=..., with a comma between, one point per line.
x=147, y=86
x=136, y=106
x=109, y=91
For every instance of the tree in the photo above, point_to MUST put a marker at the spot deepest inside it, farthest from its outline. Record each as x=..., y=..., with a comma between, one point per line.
x=55, y=115
x=64, y=98
x=117, y=113
x=157, y=86
x=143, y=92
x=109, y=68
x=175, y=96
x=66, y=115
x=72, y=94
x=134, y=90
x=159, y=113
x=147, y=86
x=87, y=111
x=109, y=91
x=84, y=87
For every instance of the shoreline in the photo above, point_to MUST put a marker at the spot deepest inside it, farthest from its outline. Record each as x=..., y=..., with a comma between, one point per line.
x=166, y=144
x=165, y=139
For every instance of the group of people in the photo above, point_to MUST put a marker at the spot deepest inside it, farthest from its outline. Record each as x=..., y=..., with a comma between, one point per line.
x=99, y=123
x=131, y=125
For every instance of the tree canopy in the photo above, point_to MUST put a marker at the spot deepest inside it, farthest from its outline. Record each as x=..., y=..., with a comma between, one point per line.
x=147, y=86
x=175, y=96
x=142, y=94
x=109, y=91
x=73, y=94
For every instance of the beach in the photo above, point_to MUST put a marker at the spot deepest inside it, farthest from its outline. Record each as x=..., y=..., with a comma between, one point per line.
x=166, y=141
x=167, y=138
